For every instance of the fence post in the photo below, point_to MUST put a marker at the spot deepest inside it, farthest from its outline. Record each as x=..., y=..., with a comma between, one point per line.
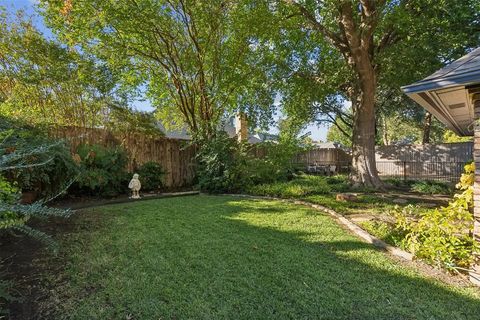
x=405, y=171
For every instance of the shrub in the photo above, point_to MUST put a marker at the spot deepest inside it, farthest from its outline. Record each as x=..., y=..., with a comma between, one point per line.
x=276, y=165
x=442, y=236
x=220, y=162
x=431, y=187
x=58, y=172
x=299, y=186
x=338, y=183
x=385, y=231
x=102, y=170
x=151, y=176
x=46, y=168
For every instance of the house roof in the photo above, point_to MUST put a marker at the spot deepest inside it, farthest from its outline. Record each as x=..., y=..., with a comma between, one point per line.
x=447, y=93
x=329, y=145
x=229, y=128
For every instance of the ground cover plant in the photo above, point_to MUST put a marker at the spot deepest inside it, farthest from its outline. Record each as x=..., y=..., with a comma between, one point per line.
x=439, y=236
x=212, y=257
x=322, y=190
x=432, y=187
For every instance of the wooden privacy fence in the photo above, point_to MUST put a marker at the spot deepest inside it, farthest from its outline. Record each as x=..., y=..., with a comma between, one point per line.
x=430, y=162
x=174, y=155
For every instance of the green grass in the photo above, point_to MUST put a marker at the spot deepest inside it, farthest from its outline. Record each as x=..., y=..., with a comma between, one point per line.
x=322, y=190
x=208, y=257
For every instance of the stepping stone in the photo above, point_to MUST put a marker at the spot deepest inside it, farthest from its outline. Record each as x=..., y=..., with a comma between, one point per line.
x=346, y=197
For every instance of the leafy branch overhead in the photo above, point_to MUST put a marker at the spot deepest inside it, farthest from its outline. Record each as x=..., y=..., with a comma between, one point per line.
x=195, y=58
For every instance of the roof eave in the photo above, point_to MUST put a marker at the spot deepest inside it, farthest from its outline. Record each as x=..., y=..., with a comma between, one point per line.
x=442, y=83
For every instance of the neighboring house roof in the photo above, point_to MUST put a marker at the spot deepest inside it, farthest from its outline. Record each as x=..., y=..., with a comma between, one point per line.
x=229, y=128
x=264, y=136
x=447, y=93
x=175, y=134
x=328, y=145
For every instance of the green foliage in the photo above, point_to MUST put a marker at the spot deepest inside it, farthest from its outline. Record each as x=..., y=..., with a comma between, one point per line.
x=57, y=173
x=220, y=161
x=123, y=120
x=276, y=165
x=46, y=82
x=300, y=186
x=278, y=162
x=46, y=168
x=385, y=231
x=14, y=218
x=442, y=236
x=103, y=170
x=6, y=288
x=431, y=187
x=228, y=166
x=203, y=63
x=342, y=136
x=451, y=137
x=151, y=176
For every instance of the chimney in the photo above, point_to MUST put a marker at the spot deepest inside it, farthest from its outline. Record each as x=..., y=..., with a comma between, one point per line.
x=241, y=129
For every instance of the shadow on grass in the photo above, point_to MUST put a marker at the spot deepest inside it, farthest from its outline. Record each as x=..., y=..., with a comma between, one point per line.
x=221, y=257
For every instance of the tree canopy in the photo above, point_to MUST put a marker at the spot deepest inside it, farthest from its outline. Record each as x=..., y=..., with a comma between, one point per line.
x=195, y=58
x=359, y=51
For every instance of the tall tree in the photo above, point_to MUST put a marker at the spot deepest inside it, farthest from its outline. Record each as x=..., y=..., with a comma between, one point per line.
x=41, y=82
x=195, y=57
x=376, y=40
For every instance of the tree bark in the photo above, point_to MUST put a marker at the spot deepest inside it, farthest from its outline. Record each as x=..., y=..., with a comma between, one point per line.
x=427, y=125
x=364, y=169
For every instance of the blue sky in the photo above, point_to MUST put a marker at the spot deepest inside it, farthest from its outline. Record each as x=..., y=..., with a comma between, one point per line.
x=317, y=133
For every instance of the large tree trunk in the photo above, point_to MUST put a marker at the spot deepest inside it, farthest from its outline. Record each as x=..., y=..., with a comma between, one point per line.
x=364, y=169
x=427, y=125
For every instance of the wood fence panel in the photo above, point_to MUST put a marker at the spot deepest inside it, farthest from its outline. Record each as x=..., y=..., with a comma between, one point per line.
x=175, y=156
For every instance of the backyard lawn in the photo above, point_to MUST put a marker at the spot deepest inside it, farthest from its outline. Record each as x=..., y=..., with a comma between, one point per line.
x=211, y=257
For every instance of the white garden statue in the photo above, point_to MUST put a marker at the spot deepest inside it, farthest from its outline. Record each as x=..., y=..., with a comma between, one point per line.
x=135, y=186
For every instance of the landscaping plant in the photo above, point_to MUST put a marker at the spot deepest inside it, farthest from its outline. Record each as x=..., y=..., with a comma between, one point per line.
x=45, y=167
x=442, y=236
x=103, y=170
x=151, y=175
x=431, y=187
x=220, y=161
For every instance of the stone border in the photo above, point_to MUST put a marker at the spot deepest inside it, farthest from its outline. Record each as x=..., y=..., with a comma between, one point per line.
x=128, y=200
x=343, y=221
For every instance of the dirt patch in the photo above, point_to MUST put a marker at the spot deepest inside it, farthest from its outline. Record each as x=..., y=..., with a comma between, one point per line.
x=25, y=262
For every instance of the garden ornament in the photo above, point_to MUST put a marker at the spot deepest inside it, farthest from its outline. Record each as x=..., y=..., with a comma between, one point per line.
x=135, y=186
